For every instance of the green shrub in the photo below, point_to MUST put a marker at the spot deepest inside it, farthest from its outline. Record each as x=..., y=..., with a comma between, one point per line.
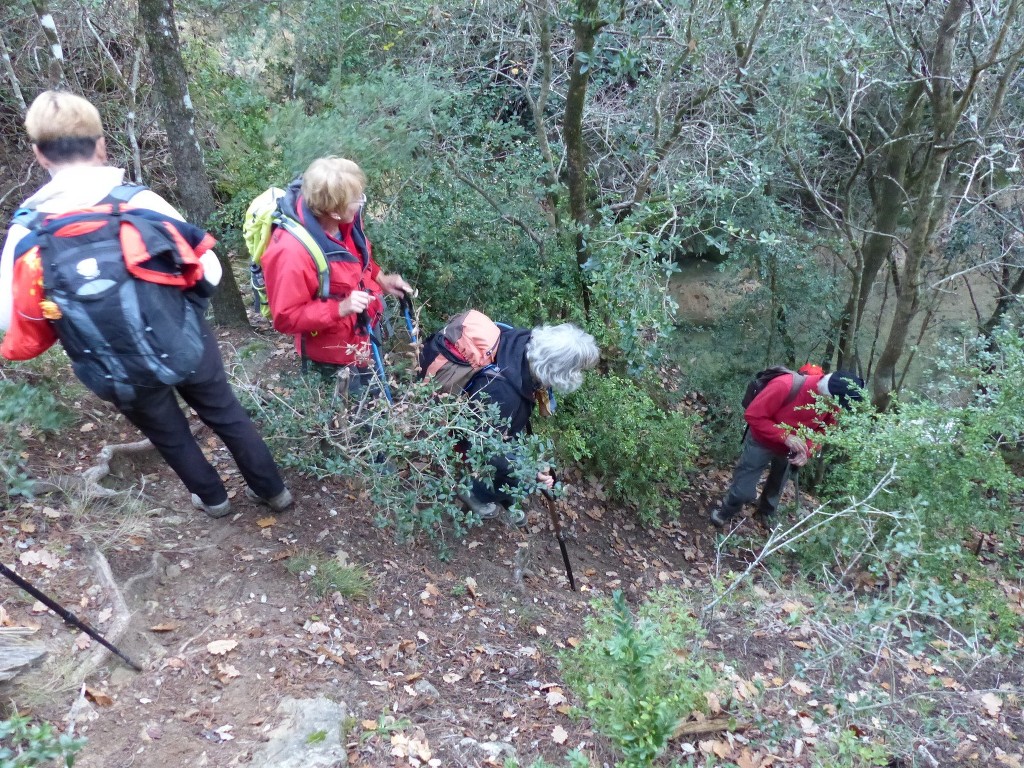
x=411, y=457
x=25, y=410
x=642, y=452
x=950, y=480
x=638, y=676
x=24, y=744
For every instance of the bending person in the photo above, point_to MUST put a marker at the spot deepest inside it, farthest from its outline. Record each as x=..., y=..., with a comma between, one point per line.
x=528, y=363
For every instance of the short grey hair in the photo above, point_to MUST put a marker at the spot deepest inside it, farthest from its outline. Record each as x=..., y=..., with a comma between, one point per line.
x=559, y=354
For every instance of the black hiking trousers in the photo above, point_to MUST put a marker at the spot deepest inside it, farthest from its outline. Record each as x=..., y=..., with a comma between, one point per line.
x=157, y=414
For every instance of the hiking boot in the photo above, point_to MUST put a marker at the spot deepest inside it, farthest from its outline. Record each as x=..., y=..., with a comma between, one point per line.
x=213, y=510
x=278, y=503
x=485, y=510
x=515, y=518
x=719, y=517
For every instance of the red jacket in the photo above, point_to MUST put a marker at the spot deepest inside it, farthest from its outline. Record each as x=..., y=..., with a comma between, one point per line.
x=292, y=290
x=769, y=414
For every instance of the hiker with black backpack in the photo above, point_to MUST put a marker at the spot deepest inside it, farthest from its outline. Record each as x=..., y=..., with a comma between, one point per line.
x=514, y=368
x=322, y=284
x=114, y=273
x=779, y=402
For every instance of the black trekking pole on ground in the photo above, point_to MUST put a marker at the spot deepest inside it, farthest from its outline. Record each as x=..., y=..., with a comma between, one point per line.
x=557, y=525
x=65, y=614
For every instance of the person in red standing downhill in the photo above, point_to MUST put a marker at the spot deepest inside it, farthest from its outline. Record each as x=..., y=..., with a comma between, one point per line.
x=774, y=416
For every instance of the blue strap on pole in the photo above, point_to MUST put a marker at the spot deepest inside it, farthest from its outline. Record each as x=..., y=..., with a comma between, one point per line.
x=378, y=359
x=406, y=304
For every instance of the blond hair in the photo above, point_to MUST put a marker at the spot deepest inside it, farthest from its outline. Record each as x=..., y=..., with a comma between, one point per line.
x=331, y=184
x=56, y=115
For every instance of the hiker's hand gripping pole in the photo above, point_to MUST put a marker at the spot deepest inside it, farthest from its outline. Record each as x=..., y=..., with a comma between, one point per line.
x=557, y=525
x=67, y=615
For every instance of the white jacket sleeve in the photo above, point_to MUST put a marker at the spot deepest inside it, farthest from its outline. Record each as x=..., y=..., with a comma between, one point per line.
x=14, y=236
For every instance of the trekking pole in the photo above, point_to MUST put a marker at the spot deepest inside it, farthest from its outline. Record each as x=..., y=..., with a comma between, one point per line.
x=406, y=305
x=557, y=525
x=796, y=488
x=378, y=359
x=65, y=614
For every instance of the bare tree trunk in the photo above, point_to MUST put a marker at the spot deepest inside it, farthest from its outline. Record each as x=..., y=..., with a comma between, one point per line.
x=930, y=205
x=12, y=76
x=56, y=69
x=178, y=118
x=889, y=204
x=586, y=26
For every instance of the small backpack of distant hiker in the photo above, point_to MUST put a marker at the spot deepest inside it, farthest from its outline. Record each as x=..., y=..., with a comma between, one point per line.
x=113, y=285
x=262, y=217
x=761, y=379
x=466, y=347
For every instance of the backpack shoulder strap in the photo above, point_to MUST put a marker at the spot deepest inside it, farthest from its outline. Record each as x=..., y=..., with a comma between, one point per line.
x=794, y=390
x=122, y=193
x=26, y=217
x=303, y=235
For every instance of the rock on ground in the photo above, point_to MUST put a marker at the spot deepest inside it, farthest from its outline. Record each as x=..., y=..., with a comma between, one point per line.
x=308, y=737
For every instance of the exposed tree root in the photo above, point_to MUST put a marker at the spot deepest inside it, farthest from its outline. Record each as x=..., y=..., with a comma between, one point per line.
x=120, y=619
x=101, y=469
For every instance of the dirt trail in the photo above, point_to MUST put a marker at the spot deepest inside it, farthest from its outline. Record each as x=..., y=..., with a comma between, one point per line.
x=453, y=658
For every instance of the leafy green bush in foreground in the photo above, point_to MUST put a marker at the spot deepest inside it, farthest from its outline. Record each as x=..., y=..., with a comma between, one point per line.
x=950, y=482
x=642, y=452
x=24, y=744
x=412, y=457
x=637, y=676
x=24, y=409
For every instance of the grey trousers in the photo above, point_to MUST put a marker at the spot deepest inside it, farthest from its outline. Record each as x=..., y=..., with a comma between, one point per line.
x=752, y=464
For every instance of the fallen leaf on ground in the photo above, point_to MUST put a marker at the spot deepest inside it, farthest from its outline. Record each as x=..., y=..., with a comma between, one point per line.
x=471, y=586
x=220, y=647
x=799, y=688
x=992, y=704
x=266, y=522
x=89, y=427
x=166, y=626
x=226, y=672
x=559, y=735
x=39, y=557
x=98, y=697
x=83, y=641
x=554, y=698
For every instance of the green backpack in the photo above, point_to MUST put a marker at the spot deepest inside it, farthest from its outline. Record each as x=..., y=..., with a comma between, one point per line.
x=261, y=217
